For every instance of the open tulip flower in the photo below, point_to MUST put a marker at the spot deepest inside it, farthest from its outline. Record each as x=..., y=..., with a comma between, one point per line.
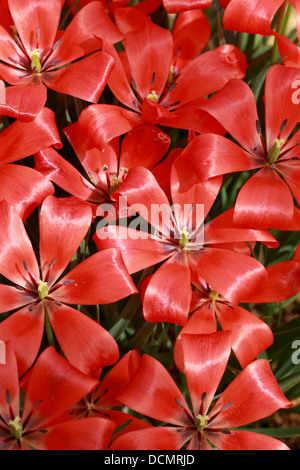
x=40, y=54
x=266, y=199
x=63, y=225
x=154, y=393
x=53, y=387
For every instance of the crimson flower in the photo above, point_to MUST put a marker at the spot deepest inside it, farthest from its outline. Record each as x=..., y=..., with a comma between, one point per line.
x=106, y=169
x=140, y=78
x=266, y=199
x=54, y=385
x=38, y=53
x=177, y=239
x=177, y=6
x=42, y=294
x=253, y=395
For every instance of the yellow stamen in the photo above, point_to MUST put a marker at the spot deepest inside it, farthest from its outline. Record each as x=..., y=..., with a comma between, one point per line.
x=274, y=153
x=114, y=183
x=42, y=289
x=213, y=295
x=184, y=240
x=171, y=73
x=201, y=422
x=152, y=96
x=35, y=61
x=15, y=427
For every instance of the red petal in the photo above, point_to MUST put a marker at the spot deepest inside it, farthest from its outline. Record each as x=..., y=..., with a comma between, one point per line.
x=103, y=122
x=9, y=381
x=23, y=102
x=250, y=400
x=289, y=51
x=28, y=16
x=85, y=343
x=12, y=298
x=153, y=392
x=22, y=139
x=86, y=434
x=64, y=223
x=264, y=201
x=24, y=188
x=15, y=247
x=139, y=252
x=161, y=438
x=244, y=440
x=168, y=294
x=205, y=359
x=129, y=18
x=255, y=18
x=56, y=385
x=176, y=6
x=92, y=285
x=24, y=329
x=149, y=51
x=250, y=335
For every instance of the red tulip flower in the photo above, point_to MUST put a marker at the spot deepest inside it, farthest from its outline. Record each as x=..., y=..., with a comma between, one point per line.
x=100, y=279
x=142, y=80
x=266, y=199
x=180, y=238
x=53, y=387
x=253, y=395
x=145, y=144
x=38, y=53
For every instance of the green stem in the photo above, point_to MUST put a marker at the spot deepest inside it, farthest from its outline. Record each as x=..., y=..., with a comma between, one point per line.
x=280, y=26
x=49, y=331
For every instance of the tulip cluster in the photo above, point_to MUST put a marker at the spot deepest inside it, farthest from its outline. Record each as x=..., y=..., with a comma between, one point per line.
x=149, y=224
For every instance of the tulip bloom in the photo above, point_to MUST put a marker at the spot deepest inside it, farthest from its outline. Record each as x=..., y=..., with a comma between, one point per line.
x=54, y=385
x=142, y=80
x=63, y=225
x=253, y=395
x=180, y=238
x=266, y=199
x=38, y=53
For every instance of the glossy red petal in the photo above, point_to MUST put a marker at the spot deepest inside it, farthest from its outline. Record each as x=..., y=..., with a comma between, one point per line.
x=22, y=139
x=244, y=440
x=139, y=249
x=15, y=247
x=250, y=400
x=86, y=434
x=12, y=298
x=92, y=285
x=153, y=392
x=205, y=358
x=29, y=16
x=176, y=6
x=55, y=385
x=64, y=223
x=24, y=188
x=250, y=335
x=254, y=18
x=289, y=51
x=149, y=51
x=264, y=201
x=9, y=381
x=161, y=438
x=129, y=18
x=103, y=122
x=282, y=283
x=201, y=322
x=23, y=102
x=168, y=295
x=24, y=329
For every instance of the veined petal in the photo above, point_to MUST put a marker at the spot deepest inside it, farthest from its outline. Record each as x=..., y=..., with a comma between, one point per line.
x=23, y=102
x=153, y=392
x=264, y=201
x=97, y=286
x=254, y=395
x=176, y=6
x=56, y=385
x=160, y=438
x=244, y=440
x=254, y=18
x=64, y=223
x=205, y=358
x=22, y=139
x=12, y=298
x=168, y=295
x=85, y=343
x=289, y=51
x=9, y=381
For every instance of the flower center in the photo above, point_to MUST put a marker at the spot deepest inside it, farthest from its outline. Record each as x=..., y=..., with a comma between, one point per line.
x=213, y=295
x=35, y=61
x=184, y=239
x=15, y=427
x=201, y=422
x=43, y=290
x=274, y=152
x=152, y=96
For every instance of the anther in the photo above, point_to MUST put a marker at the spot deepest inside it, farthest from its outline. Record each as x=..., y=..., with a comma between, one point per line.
x=25, y=265
x=283, y=125
x=258, y=127
x=68, y=281
x=153, y=78
x=133, y=83
x=8, y=397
